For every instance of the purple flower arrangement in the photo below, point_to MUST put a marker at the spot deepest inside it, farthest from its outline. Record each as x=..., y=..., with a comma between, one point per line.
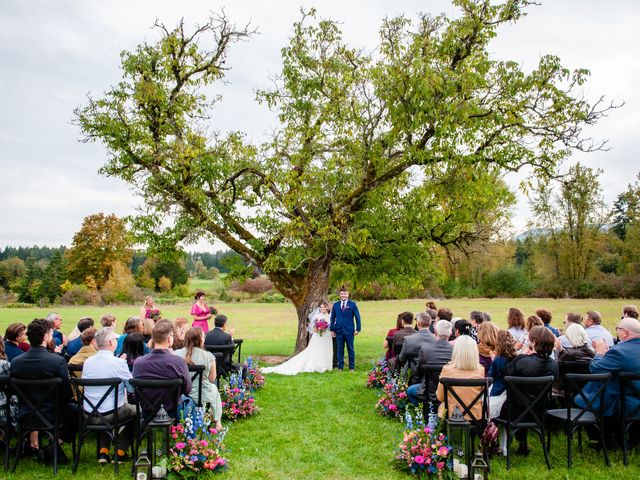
x=379, y=374
x=153, y=314
x=195, y=445
x=320, y=326
x=237, y=400
x=254, y=378
x=424, y=451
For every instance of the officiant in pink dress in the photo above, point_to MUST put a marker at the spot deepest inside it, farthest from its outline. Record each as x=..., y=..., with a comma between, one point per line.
x=201, y=313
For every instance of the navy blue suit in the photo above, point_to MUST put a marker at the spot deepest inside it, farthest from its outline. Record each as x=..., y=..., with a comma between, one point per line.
x=622, y=357
x=342, y=324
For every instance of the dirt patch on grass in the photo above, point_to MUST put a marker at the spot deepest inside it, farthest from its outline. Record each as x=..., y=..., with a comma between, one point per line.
x=270, y=359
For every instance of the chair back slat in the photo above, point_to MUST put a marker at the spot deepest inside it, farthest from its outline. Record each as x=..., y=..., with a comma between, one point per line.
x=532, y=409
x=197, y=374
x=112, y=387
x=451, y=384
x=46, y=388
x=629, y=387
x=574, y=387
x=147, y=407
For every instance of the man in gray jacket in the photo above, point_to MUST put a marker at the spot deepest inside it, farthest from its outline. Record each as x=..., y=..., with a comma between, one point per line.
x=438, y=352
x=412, y=345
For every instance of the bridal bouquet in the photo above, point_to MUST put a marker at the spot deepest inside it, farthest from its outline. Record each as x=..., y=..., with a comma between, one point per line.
x=379, y=374
x=195, y=445
x=393, y=399
x=424, y=451
x=254, y=379
x=153, y=314
x=237, y=401
x=320, y=326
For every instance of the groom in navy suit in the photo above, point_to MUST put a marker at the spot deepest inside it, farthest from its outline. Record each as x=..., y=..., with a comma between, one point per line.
x=343, y=314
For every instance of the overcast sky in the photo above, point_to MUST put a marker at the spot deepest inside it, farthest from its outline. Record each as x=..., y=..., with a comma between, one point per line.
x=53, y=53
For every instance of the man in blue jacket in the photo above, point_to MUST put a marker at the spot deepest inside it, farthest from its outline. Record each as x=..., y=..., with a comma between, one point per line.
x=342, y=327
x=622, y=357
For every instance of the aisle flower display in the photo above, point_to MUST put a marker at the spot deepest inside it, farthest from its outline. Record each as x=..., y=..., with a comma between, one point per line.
x=254, y=379
x=424, y=450
x=196, y=446
x=237, y=400
x=379, y=374
x=393, y=399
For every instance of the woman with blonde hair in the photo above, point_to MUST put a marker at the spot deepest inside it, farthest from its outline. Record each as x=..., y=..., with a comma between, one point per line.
x=464, y=364
x=195, y=354
x=487, y=340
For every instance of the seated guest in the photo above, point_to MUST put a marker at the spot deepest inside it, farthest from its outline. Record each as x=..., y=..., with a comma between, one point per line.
x=88, y=349
x=487, y=340
x=147, y=329
x=108, y=320
x=406, y=331
x=5, y=369
x=58, y=338
x=505, y=352
x=105, y=365
x=545, y=316
x=475, y=318
x=132, y=325
x=219, y=336
x=195, y=354
x=486, y=316
x=622, y=357
x=389, y=347
x=537, y=364
x=433, y=313
x=133, y=347
x=630, y=311
x=438, y=352
x=595, y=330
x=38, y=364
x=580, y=349
x=523, y=347
x=161, y=364
x=464, y=364
x=515, y=320
x=413, y=343
x=74, y=346
x=569, y=319
x=460, y=327
x=431, y=305
x=179, y=330
x=15, y=334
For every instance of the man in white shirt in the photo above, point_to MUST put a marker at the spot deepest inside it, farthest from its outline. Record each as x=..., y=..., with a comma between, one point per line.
x=105, y=365
x=595, y=330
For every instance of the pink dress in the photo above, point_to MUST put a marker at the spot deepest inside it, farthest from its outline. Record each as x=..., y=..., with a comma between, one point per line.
x=199, y=312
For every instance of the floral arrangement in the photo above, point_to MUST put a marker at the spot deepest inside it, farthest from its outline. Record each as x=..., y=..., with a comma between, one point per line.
x=237, y=401
x=213, y=310
x=320, y=326
x=254, y=378
x=195, y=445
x=153, y=314
x=393, y=399
x=379, y=374
x=424, y=451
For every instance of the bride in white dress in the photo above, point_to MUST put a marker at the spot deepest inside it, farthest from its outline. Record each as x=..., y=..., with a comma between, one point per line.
x=317, y=357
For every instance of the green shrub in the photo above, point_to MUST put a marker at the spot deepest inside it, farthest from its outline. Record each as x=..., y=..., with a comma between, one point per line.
x=80, y=295
x=507, y=281
x=271, y=298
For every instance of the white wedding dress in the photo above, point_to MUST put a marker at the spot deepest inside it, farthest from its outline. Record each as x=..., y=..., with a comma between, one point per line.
x=317, y=357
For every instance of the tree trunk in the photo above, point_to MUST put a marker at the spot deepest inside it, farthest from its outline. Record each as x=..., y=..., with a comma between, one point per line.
x=314, y=290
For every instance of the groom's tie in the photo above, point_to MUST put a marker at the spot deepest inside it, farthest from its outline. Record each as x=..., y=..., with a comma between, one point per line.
x=344, y=306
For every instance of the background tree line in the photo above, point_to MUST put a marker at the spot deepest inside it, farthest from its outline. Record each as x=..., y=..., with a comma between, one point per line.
x=576, y=246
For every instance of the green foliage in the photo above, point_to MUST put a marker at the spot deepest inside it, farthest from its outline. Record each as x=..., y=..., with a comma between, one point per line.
x=30, y=285
x=53, y=277
x=507, y=281
x=12, y=270
x=80, y=294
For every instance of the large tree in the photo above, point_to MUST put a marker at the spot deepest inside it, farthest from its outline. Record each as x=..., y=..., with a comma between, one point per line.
x=378, y=156
x=102, y=241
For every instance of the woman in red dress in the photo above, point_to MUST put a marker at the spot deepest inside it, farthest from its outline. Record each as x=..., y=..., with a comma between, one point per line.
x=200, y=313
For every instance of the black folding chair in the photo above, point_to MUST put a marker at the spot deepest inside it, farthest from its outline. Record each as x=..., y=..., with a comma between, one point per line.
x=147, y=408
x=563, y=369
x=197, y=373
x=238, y=344
x=574, y=418
x=48, y=390
x=430, y=378
x=88, y=409
x=628, y=389
x=73, y=367
x=225, y=366
x=524, y=414
x=473, y=426
x=219, y=356
x=5, y=427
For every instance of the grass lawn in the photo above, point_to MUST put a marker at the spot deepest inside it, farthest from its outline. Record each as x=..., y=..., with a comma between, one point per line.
x=323, y=426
